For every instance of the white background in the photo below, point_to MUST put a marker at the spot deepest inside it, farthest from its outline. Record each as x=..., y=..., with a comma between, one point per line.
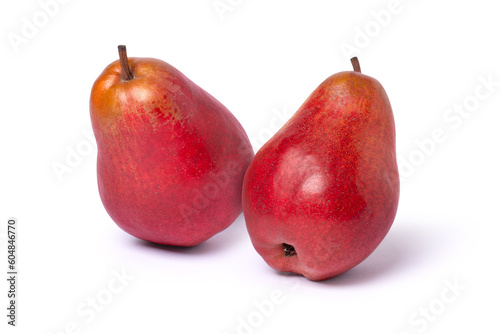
x=261, y=59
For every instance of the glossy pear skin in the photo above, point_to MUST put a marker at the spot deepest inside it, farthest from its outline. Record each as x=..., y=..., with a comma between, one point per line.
x=327, y=182
x=171, y=158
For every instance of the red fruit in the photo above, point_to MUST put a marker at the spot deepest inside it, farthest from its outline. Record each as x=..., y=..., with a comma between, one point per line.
x=322, y=193
x=171, y=158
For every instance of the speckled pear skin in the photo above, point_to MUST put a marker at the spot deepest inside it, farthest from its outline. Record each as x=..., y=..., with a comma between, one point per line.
x=321, y=194
x=171, y=158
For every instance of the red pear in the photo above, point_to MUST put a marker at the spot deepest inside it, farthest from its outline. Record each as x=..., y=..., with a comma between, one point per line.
x=322, y=193
x=171, y=158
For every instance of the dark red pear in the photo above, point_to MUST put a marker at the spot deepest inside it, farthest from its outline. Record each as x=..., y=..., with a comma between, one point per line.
x=323, y=192
x=171, y=158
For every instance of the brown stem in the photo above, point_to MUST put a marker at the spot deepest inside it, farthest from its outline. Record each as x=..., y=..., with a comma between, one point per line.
x=126, y=72
x=355, y=64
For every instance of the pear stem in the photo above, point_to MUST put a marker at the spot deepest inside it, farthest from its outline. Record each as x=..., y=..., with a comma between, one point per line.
x=126, y=72
x=355, y=64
